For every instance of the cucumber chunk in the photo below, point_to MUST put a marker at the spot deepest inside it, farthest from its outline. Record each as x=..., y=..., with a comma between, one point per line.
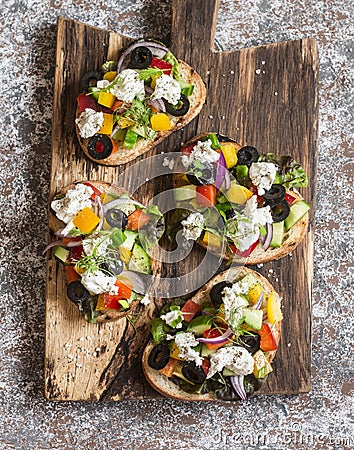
x=139, y=260
x=61, y=253
x=184, y=193
x=253, y=317
x=278, y=231
x=200, y=324
x=297, y=211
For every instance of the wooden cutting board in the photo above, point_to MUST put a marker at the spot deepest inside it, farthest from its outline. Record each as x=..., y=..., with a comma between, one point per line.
x=264, y=96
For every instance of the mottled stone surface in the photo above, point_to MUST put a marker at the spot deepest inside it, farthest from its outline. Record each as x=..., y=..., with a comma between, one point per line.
x=321, y=419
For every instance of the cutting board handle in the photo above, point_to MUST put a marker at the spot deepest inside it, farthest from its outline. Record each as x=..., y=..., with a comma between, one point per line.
x=193, y=25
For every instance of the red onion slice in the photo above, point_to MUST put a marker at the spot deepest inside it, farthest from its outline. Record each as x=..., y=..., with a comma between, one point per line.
x=222, y=174
x=155, y=48
x=157, y=104
x=100, y=213
x=133, y=280
x=52, y=244
x=74, y=243
x=239, y=388
x=267, y=238
x=259, y=302
x=219, y=339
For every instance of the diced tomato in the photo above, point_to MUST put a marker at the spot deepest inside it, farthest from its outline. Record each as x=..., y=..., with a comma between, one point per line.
x=170, y=367
x=117, y=104
x=158, y=63
x=214, y=333
x=268, y=342
x=290, y=198
x=188, y=149
x=137, y=220
x=111, y=301
x=206, y=195
x=245, y=253
x=96, y=192
x=66, y=240
x=71, y=274
x=87, y=101
x=206, y=365
x=75, y=253
x=190, y=309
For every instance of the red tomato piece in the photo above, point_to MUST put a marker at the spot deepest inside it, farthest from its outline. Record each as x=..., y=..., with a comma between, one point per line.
x=158, y=63
x=188, y=149
x=96, y=192
x=268, y=342
x=75, y=253
x=214, y=333
x=206, y=365
x=189, y=310
x=245, y=253
x=87, y=101
x=290, y=198
x=137, y=220
x=111, y=301
x=71, y=274
x=206, y=195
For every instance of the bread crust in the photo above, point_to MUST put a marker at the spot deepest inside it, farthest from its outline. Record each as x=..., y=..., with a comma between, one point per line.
x=293, y=237
x=55, y=224
x=169, y=389
x=123, y=155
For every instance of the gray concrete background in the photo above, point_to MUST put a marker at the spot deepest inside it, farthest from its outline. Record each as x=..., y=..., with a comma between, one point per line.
x=319, y=420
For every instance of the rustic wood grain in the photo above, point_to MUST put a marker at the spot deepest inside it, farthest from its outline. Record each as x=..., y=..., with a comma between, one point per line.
x=102, y=362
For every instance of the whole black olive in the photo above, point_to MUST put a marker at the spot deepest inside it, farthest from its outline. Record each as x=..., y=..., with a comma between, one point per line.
x=76, y=292
x=113, y=264
x=275, y=194
x=205, y=176
x=88, y=77
x=230, y=213
x=140, y=58
x=99, y=146
x=247, y=155
x=280, y=211
x=193, y=373
x=252, y=384
x=216, y=293
x=159, y=357
x=180, y=109
x=116, y=218
x=251, y=342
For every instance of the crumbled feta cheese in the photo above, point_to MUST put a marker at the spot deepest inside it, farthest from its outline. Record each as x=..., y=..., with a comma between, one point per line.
x=96, y=242
x=262, y=175
x=234, y=302
x=193, y=226
x=245, y=231
x=173, y=318
x=168, y=88
x=127, y=86
x=101, y=84
x=74, y=201
x=185, y=342
x=202, y=152
x=68, y=229
x=89, y=122
x=98, y=282
x=145, y=300
x=237, y=359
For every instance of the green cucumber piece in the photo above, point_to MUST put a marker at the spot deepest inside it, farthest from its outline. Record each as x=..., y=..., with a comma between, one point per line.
x=61, y=253
x=139, y=260
x=227, y=372
x=250, y=280
x=94, y=92
x=200, y=324
x=205, y=352
x=130, y=139
x=144, y=132
x=297, y=211
x=130, y=241
x=119, y=135
x=253, y=317
x=184, y=193
x=278, y=232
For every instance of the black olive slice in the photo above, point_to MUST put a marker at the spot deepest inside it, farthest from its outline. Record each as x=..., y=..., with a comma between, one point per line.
x=193, y=373
x=100, y=146
x=251, y=342
x=88, y=77
x=280, y=211
x=116, y=218
x=247, y=155
x=76, y=292
x=180, y=109
x=216, y=292
x=159, y=357
x=230, y=213
x=113, y=264
x=207, y=175
x=275, y=194
x=140, y=58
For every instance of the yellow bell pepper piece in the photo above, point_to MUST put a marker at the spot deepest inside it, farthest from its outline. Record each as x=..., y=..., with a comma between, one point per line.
x=160, y=122
x=110, y=76
x=255, y=292
x=230, y=155
x=274, y=308
x=238, y=194
x=107, y=126
x=100, y=303
x=212, y=240
x=174, y=352
x=86, y=220
x=153, y=81
x=106, y=99
x=261, y=365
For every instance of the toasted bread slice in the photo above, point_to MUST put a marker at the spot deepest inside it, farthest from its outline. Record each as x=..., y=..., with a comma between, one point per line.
x=164, y=385
x=291, y=239
x=55, y=224
x=122, y=155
